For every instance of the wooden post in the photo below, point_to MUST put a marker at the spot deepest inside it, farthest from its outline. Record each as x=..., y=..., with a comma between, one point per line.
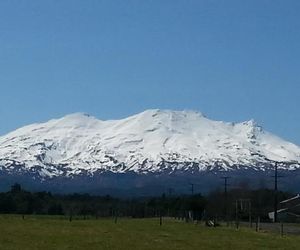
x=116, y=217
x=257, y=224
x=160, y=218
x=236, y=215
x=250, y=214
x=71, y=214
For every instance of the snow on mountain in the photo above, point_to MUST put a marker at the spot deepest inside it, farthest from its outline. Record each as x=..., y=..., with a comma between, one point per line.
x=152, y=141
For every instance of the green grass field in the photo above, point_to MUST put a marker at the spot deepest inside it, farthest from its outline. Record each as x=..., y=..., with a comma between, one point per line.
x=39, y=232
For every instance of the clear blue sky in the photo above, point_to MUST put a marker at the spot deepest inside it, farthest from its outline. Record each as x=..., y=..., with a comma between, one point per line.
x=231, y=60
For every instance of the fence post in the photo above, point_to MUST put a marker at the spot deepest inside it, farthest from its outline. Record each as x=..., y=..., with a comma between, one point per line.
x=236, y=215
x=281, y=229
x=250, y=214
x=160, y=218
x=257, y=224
x=116, y=216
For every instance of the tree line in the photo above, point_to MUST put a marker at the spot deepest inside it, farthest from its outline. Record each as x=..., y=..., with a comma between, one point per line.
x=216, y=204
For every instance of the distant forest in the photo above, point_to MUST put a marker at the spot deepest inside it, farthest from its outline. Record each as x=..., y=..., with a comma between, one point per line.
x=217, y=204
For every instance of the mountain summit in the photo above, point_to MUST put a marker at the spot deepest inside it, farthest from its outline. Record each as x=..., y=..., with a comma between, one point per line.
x=152, y=141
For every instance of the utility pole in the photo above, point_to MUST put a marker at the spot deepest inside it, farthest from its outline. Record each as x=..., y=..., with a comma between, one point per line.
x=192, y=188
x=275, y=193
x=225, y=194
x=276, y=176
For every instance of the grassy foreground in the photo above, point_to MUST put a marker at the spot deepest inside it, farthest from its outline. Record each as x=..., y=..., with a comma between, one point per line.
x=57, y=233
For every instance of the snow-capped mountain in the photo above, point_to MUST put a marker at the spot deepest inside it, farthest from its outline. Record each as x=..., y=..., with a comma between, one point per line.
x=154, y=141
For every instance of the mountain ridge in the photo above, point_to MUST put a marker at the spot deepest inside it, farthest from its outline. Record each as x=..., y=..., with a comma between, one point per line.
x=153, y=141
